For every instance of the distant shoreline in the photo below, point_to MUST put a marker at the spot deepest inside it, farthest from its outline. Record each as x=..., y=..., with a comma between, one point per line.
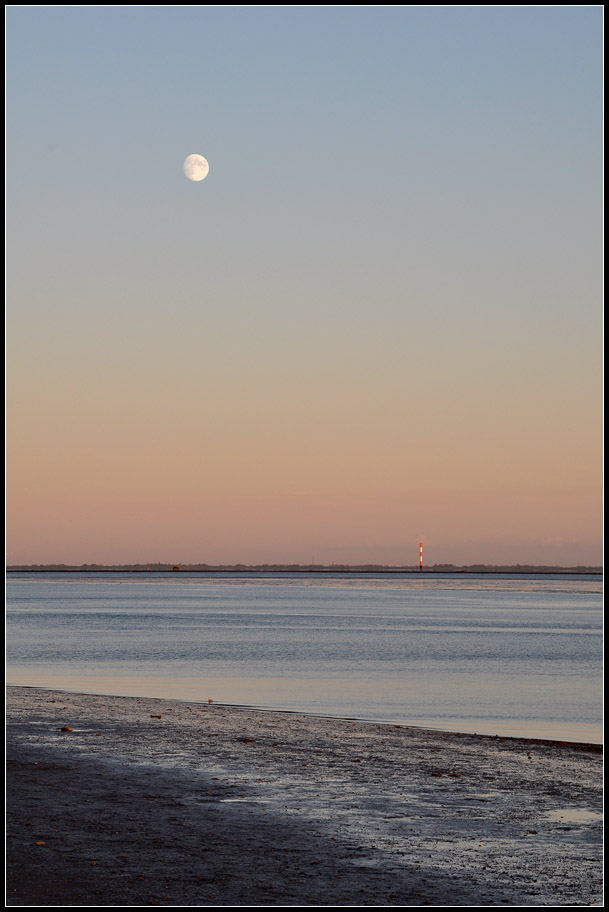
x=322, y=569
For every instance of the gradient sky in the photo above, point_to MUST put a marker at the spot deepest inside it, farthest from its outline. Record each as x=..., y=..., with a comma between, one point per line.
x=378, y=321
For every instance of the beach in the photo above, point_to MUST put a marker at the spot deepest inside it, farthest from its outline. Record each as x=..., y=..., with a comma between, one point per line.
x=139, y=801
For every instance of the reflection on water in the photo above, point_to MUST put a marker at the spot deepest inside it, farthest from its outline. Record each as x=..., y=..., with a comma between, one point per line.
x=574, y=815
x=492, y=655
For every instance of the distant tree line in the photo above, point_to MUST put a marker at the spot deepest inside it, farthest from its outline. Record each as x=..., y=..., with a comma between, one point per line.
x=313, y=568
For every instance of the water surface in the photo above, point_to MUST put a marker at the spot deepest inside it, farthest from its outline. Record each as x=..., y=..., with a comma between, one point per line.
x=511, y=655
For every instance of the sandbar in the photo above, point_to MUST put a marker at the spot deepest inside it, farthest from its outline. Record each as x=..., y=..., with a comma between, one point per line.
x=137, y=801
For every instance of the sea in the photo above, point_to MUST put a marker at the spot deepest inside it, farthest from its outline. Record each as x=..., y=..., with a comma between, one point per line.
x=506, y=655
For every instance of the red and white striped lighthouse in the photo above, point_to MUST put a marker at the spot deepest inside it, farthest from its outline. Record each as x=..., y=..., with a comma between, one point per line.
x=420, y=555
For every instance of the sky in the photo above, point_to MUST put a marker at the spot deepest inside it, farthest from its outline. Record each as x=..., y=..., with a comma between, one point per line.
x=377, y=321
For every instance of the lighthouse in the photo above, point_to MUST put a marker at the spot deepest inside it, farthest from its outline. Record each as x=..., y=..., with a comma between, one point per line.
x=420, y=555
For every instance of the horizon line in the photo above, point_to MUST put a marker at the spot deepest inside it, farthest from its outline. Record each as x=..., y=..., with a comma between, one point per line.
x=162, y=566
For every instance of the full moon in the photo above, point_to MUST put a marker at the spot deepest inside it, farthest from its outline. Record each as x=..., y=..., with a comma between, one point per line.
x=196, y=167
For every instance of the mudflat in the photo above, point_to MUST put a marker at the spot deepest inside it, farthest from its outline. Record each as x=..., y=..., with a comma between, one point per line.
x=138, y=801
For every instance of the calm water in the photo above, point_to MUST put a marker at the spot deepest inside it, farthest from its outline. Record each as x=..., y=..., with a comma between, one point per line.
x=498, y=655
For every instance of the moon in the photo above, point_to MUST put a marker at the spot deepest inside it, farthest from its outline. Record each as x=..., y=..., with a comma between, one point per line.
x=196, y=168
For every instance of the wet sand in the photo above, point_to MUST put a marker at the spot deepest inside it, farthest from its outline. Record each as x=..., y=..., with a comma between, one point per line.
x=150, y=802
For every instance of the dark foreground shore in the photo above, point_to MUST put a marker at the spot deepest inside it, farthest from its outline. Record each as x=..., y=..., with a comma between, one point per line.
x=150, y=802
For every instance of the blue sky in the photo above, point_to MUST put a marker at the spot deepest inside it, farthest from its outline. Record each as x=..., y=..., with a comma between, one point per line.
x=403, y=216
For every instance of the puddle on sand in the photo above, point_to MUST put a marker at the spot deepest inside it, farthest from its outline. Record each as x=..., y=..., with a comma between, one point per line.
x=574, y=815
